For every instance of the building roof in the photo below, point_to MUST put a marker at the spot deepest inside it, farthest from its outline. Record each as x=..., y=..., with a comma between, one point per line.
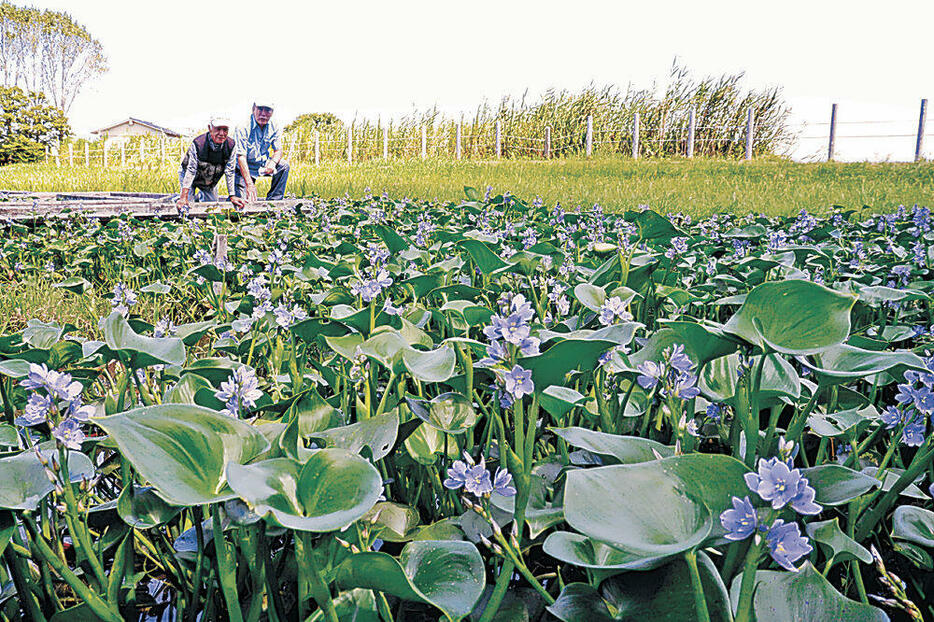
x=133, y=120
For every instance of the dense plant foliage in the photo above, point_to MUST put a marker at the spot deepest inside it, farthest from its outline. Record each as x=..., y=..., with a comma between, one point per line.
x=486, y=409
x=28, y=124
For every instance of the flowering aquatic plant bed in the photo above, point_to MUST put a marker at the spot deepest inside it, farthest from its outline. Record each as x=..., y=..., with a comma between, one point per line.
x=485, y=410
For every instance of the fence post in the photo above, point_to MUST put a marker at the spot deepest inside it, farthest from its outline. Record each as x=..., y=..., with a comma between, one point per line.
x=691, y=121
x=58, y=161
x=142, y=150
x=122, y=154
x=499, y=139
x=919, y=146
x=71, y=154
x=833, y=132
x=386, y=143
x=635, y=136
x=350, y=144
x=105, y=154
x=457, y=140
x=46, y=154
x=750, y=121
x=589, y=135
x=162, y=149
x=317, y=147
x=87, y=155
x=424, y=143
x=547, y=142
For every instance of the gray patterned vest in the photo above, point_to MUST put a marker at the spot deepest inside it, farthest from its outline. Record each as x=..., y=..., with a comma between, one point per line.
x=211, y=162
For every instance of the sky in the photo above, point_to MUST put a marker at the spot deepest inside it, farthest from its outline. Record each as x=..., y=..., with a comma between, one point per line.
x=177, y=63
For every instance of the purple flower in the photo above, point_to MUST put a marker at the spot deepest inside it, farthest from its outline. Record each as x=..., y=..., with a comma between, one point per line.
x=36, y=411
x=741, y=521
x=614, y=308
x=684, y=386
x=913, y=434
x=518, y=382
x=529, y=346
x=69, y=434
x=677, y=359
x=652, y=372
x=58, y=385
x=786, y=545
x=475, y=479
x=779, y=484
x=803, y=501
x=515, y=329
x=892, y=416
x=502, y=483
x=714, y=412
x=239, y=391
x=495, y=353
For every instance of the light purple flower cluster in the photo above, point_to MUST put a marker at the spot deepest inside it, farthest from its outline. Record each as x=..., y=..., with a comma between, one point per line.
x=369, y=288
x=240, y=391
x=123, y=298
x=612, y=309
x=673, y=375
x=915, y=399
x=55, y=399
x=514, y=328
x=778, y=483
x=477, y=480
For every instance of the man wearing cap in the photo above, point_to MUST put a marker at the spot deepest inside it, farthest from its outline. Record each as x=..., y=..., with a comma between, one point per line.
x=260, y=153
x=211, y=156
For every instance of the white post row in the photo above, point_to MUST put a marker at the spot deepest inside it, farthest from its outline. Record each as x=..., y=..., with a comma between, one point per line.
x=386, y=143
x=87, y=155
x=499, y=139
x=457, y=140
x=749, y=129
x=317, y=147
x=589, y=141
x=424, y=143
x=635, y=136
x=919, y=145
x=71, y=155
x=691, y=121
x=547, y=142
x=833, y=132
x=122, y=154
x=350, y=144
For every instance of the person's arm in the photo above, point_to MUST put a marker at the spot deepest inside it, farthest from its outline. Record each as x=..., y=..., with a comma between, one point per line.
x=275, y=142
x=190, y=173
x=229, y=176
x=242, y=136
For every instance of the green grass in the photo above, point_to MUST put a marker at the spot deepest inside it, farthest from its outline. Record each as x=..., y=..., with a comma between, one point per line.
x=698, y=187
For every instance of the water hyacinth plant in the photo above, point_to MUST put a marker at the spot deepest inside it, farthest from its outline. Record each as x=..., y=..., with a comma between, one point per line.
x=485, y=409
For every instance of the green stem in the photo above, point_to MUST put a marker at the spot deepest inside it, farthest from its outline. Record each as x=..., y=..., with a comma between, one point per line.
x=226, y=572
x=700, y=603
x=744, y=609
x=499, y=591
x=310, y=578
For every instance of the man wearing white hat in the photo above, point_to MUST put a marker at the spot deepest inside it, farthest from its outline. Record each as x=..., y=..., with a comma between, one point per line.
x=211, y=156
x=260, y=152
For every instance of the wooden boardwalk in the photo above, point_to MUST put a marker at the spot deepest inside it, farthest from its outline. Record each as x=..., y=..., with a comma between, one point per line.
x=36, y=206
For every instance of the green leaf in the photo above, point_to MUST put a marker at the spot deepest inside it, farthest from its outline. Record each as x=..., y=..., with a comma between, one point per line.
x=591, y=296
x=793, y=317
x=377, y=434
x=23, y=480
x=141, y=351
x=625, y=449
x=352, y=606
x=487, y=261
x=580, y=550
x=432, y=366
x=552, y=366
x=75, y=285
x=835, y=543
x=183, y=449
x=559, y=401
x=393, y=522
x=803, y=595
x=446, y=574
x=914, y=524
x=331, y=490
x=842, y=363
x=836, y=485
x=184, y=391
x=449, y=412
x=14, y=368
x=141, y=508
x=720, y=378
x=661, y=595
x=843, y=423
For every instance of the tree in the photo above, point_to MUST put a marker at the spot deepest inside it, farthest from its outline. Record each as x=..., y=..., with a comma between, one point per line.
x=28, y=124
x=309, y=122
x=47, y=51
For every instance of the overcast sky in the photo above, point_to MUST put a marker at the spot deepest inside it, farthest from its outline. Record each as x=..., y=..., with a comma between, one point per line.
x=177, y=62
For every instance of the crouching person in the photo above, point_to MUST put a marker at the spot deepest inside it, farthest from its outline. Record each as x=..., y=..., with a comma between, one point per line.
x=260, y=151
x=211, y=156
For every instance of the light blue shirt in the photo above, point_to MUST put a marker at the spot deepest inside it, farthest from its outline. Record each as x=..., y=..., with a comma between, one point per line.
x=255, y=143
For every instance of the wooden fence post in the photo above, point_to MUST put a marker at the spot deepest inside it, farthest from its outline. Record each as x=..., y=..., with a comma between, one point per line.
x=106, y=162
x=589, y=140
x=87, y=155
x=424, y=143
x=46, y=154
x=350, y=144
x=691, y=122
x=635, y=136
x=386, y=143
x=457, y=140
x=58, y=161
x=833, y=132
x=142, y=150
x=122, y=154
x=71, y=154
x=749, y=129
x=547, y=142
x=498, y=143
x=162, y=149
x=919, y=146
x=317, y=147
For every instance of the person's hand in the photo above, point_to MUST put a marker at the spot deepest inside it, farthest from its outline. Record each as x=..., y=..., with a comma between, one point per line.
x=251, y=192
x=182, y=203
x=268, y=169
x=238, y=202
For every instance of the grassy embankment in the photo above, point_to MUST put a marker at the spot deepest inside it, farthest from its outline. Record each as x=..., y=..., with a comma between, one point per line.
x=698, y=187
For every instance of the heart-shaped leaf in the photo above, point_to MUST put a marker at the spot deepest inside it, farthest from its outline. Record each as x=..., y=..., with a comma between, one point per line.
x=625, y=449
x=449, y=412
x=23, y=480
x=836, y=485
x=141, y=351
x=914, y=524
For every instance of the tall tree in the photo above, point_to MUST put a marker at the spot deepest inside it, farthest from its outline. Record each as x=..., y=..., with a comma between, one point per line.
x=28, y=124
x=47, y=51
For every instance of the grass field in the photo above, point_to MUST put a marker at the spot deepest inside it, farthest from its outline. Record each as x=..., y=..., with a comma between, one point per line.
x=698, y=187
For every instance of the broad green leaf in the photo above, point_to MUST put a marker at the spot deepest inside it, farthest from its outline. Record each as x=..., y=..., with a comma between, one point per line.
x=14, y=368
x=75, y=285
x=835, y=543
x=803, y=595
x=23, y=480
x=183, y=449
x=843, y=363
x=579, y=550
x=552, y=366
x=393, y=522
x=446, y=574
x=487, y=261
x=914, y=524
x=843, y=423
x=141, y=351
x=352, y=606
x=793, y=317
x=720, y=378
x=836, y=485
x=184, y=391
x=378, y=435
x=559, y=401
x=591, y=296
x=331, y=490
x=624, y=449
x=141, y=508
x=449, y=412
x=432, y=366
